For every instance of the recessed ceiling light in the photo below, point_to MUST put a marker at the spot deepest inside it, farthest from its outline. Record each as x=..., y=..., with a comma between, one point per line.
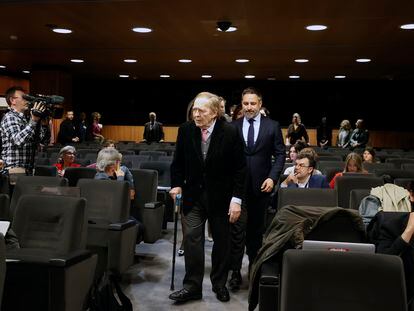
x=26, y=71
x=316, y=27
x=250, y=76
x=271, y=78
x=185, y=60
x=294, y=77
x=165, y=76
x=124, y=76
x=206, y=76
x=407, y=26
x=62, y=30
x=141, y=29
x=301, y=60
x=2, y=66
x=242, y=60
x=231, y=29
x=363, y=60
x=340, y=77
x=130, y=60
x=77, y=60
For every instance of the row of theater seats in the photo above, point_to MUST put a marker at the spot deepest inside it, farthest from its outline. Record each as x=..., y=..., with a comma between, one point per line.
x=64, y=232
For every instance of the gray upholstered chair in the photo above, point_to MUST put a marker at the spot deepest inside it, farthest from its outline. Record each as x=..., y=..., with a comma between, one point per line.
x=110, y=231
x=323, y=280
x=51, y=270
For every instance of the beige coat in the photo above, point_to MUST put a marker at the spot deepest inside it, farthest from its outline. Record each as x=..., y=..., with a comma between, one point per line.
x=393, y=198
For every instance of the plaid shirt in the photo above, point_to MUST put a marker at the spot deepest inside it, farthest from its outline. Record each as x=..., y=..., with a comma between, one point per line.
x=17, y=135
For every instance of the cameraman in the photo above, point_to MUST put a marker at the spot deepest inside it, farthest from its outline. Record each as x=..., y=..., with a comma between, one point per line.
x=18, y=133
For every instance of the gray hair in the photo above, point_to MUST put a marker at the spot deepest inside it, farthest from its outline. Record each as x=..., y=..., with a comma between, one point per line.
x=107, y=157
x=65, y=150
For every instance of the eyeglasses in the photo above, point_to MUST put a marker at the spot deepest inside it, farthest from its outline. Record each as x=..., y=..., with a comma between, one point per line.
x=301, y=165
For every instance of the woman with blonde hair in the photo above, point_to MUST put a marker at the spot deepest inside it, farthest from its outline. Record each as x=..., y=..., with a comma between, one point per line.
x=353, y=164
x=344, y=134
x=296, y=131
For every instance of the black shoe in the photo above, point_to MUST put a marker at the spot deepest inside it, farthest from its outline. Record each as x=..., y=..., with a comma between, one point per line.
x=235, y=280
x=222, y=293
x=184, y=295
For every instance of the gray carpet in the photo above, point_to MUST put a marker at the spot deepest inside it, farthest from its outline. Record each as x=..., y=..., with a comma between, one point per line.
x=147, y=283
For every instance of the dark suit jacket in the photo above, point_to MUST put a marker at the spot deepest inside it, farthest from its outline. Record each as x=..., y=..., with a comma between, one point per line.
x=155, y=134
x=259, y=160
x=67, y=132
x=222, y=174
x=315, y=181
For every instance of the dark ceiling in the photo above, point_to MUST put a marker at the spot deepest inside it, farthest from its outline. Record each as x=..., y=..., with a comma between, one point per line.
x=271, y=33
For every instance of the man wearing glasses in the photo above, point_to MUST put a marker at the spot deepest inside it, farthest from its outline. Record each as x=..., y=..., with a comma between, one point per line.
x=17, y=132
x=302, y=176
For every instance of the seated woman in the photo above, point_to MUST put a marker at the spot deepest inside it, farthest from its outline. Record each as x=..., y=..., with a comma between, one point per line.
x=66, y=158
x=353, y=164
x=108, y=165
x=369, y=155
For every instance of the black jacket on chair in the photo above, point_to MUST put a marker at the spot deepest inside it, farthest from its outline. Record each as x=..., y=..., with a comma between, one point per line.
x=221, y=174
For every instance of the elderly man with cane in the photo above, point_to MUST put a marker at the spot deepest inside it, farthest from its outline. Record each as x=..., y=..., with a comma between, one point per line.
x=209, y=171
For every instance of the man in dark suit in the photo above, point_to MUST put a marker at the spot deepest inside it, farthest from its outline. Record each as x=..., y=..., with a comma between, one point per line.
x=209, y=170
x=302, y=176
x=153, y=131
x=263, y=139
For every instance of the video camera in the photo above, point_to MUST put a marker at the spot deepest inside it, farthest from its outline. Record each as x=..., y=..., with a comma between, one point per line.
x=52, y=104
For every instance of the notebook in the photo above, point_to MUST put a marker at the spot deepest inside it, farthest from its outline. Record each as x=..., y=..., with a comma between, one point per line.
x=338, y=246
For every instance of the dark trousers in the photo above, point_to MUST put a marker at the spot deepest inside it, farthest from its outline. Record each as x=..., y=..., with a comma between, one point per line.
x=238, y=241
x=256, y=205
x=195, y=220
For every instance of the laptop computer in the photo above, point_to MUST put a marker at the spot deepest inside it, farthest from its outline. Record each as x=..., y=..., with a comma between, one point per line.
x=338, y=246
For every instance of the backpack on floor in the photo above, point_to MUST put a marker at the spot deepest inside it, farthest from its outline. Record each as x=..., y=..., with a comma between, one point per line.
x=107, y=295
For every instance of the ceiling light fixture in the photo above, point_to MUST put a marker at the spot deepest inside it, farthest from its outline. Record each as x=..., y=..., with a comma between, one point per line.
x=271, y=79
x=124, y=76
x=225, y=26
x=2, y=66
x=407, y=26
x=165, y=76
x=26, y=71
x=185, y=61
x=242, y=60
x=294, y=77
x=340, y=77
x=301, y=60
x=363, y=60
x=316, y=27
x=142, y=29
x=250, y=76
x=130, y=60
x=62, y=30
x=206, y=76
x=77, y=60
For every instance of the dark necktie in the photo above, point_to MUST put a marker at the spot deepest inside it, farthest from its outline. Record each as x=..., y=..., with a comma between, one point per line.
x=250, y=135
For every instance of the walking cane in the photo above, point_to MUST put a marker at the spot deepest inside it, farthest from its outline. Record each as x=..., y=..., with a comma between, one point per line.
x=176, y=213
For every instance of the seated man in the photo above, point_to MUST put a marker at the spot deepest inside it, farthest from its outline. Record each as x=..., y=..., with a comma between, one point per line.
x=302, y=176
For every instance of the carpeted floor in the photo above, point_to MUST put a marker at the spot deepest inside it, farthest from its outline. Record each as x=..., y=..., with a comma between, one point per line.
x=147, y=283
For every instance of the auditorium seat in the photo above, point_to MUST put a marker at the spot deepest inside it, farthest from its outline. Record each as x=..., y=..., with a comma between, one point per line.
x=307, y=197
x=355, y=197
x=344, y=185
x=342, y=281
x=45, y=170
x=33, y=185
x=73, y=174
x=50, y=271
x=110, y=231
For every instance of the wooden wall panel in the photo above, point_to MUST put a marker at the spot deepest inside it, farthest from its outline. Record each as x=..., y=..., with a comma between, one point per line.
x=7, y=82
x=378, y=139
